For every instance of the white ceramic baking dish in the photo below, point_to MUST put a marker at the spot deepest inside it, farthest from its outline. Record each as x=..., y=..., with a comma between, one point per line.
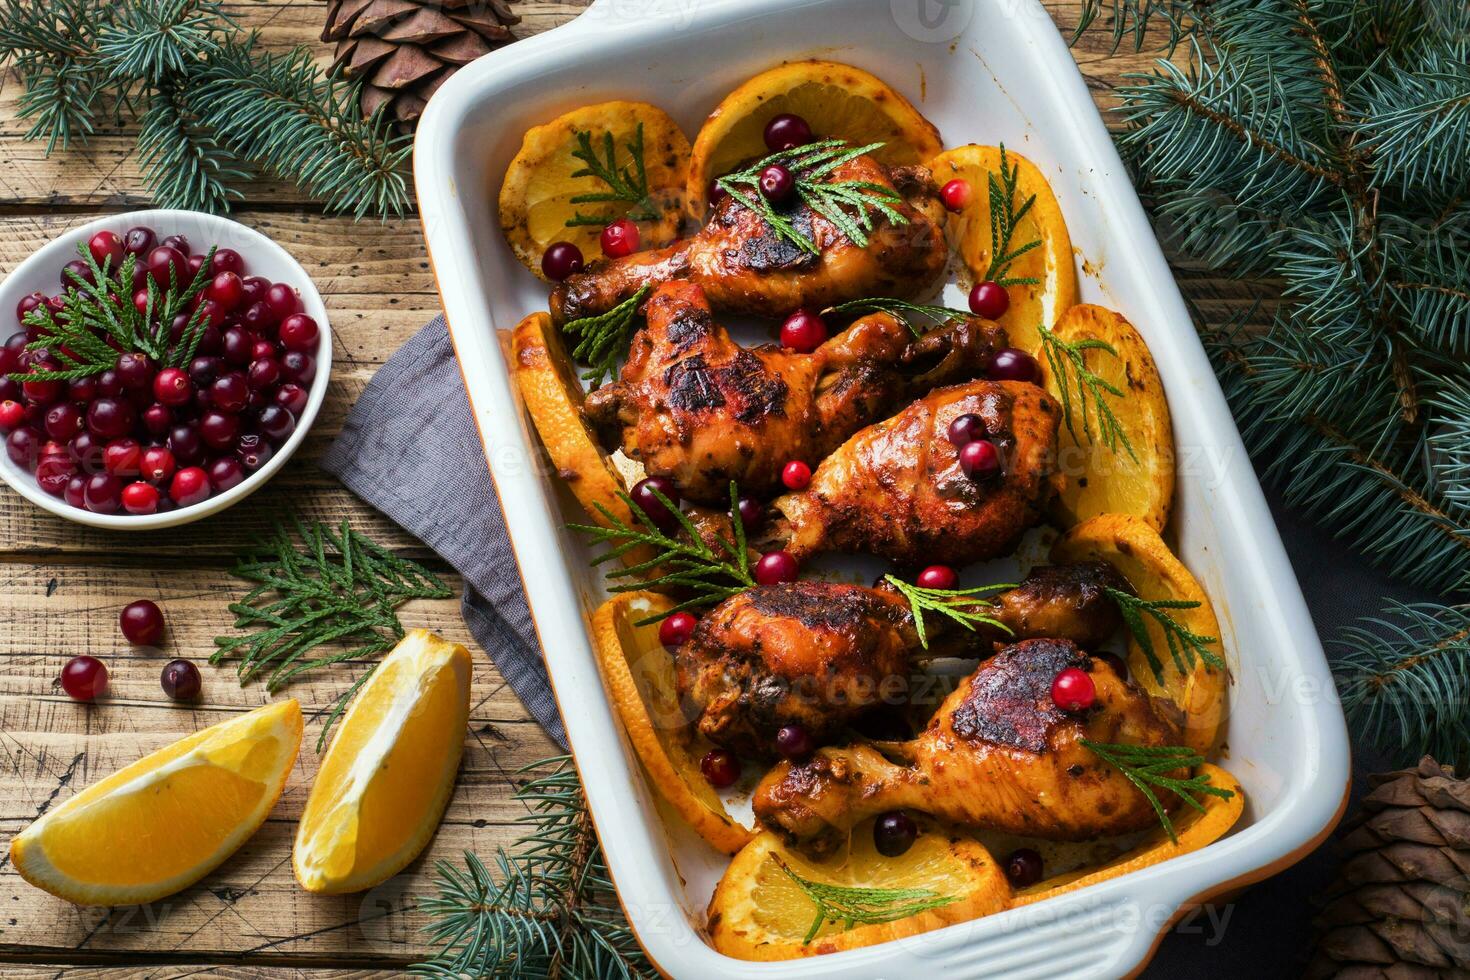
x=983, y=73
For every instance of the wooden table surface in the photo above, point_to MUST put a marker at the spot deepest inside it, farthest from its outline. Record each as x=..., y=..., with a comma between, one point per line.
x=64, y=585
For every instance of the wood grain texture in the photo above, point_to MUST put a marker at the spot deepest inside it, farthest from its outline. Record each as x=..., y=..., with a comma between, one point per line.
x=62, y=586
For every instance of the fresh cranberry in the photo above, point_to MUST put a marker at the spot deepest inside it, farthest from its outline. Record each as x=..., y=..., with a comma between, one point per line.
x=1119, y=665
x=1012, y=364
x=795, y=475
x=211, y=341
x=263, y=374
x=226, y=473
x=775, y=567
x=140, y=498
x=180, y=678
x=252, y=288
x=53, y=473
x=185, y=444
x=777, y=184
x=647, y=500
x=75, y=492
x=226, y=290
x=787, y=131
x=84, y=678
x=189, y=486
x=10, y=390
x=259, y=317
x=620, y=238
x=172, y=386
x=203, y=370
x=980, y=459
x=28, y=303
x=165, y=260
x=292, y=398
x=75, y=273
x=106, y=247
x=53, y=447
x=23, y=446
x=803, y=331
x=794, y=741
x=63, y=421
x=276, y=423
x=109, y=385
x=228, y=260
x=676, y=630
x=139, y=240
x=11, y=352
x=82, y=389
x=44, y=392
x=12, y=415
x=1072, y=690
x=1023, y=867
x=262, y=349
x=123, y=457
x=253, y=451
x=720, y=768
x=561, y=260
x=177, y=241
x=134, y=371
x=157, y=419
x=229, y=393
x=966, y=429
x=989, y=299
x=716, y=193
x=283, y=300
x=239, y=346
x=196, y=263
x=752, y=512
x=212, y=314
x=141, y=623
x=110, y=418
x=299, y=333
x=103, y=494
x=140, y=301
x=157, y=464
x=87, y=451
x=894, y=833
x=218, y=430
x=955, y=195
x=938, y=577
x=298, y=367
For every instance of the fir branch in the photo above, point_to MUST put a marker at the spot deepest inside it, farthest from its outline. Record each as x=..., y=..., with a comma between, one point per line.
x=1068, y=363
x=1149, y=767
x=687, y=563
x=318, y=590
x=602, y=340
x=545, y=909
x=861, y=906
x=53, y=48
x=156, y=40
x=624, y=184
x=901, y=310
x=1005, y=217
x=1186, y=647
x=849, y=205
x=960, y=605
x=1135, y=17
x=183, y=165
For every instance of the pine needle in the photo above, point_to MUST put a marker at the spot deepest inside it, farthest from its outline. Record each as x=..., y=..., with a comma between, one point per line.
x=628, y=183
x=861, y=906
x=602, y=340
x=964, y=606
x=1148, y=767
x=1078, y=384
x=1186, y=647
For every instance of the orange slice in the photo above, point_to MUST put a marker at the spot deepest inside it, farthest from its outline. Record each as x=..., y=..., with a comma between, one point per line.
x=537, y=196
x=639, y=674
x=760, y=912
x=969, y=233
x=386, y=779
x=1131, y=545
x=1193, y=828
x=1136, y=475
x=167, y=820
x=836, y=100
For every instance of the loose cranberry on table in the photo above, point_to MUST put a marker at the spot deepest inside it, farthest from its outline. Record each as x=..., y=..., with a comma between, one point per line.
x=787, y=131
x=955, y=195
x=803, y=331
x=938, y=577
x=620, y=238
x=1013, y=364
x=776, y=567
x=1072, y=690
x=84, y=678
x=894, y=833
x=180, y=680
x=561, y=260
x=676, y=630
x=720, y=768
x=796, y=475
x=989, y=299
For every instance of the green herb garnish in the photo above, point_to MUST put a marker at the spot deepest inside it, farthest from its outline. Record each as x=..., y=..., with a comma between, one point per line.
x=1004, y=217
x=1185, y=645
x=847, y=204
x=627, y=183
x=866, y=906
x=961, y=605
x=1147, y=767
x=337, y=590
x=711, y=575
x=604, y=338
x=1074, y=379
x=902, y=310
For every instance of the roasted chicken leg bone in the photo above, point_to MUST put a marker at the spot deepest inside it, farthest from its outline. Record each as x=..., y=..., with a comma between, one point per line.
x=694, y=406
x=746, y=267
x=999, y=755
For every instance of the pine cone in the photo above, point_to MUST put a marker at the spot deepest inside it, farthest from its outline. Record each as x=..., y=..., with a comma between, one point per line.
x=405, y=49
x=1400, y=907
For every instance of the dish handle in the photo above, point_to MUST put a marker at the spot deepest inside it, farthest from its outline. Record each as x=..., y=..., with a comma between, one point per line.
x=612, y=16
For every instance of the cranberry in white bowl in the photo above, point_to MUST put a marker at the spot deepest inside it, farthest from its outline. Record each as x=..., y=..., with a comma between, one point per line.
x=178, y=393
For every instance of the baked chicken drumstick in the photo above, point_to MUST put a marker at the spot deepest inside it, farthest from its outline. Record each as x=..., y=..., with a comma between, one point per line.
x=746, y=267
x=694, y=406
x=999, y=755
x=822, y=654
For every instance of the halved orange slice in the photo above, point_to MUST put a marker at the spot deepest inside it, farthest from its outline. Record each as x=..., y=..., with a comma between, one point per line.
x=167, y=820
x=387, y=776
x=639, y=674
x=837, y=101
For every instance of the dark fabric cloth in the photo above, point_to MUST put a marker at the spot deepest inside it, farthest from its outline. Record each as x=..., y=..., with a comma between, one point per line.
x=410, y=449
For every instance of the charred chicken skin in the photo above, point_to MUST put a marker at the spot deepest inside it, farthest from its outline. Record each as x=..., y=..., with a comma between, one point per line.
x=746, y=267
x=694, y=406
x=999, y=755
x=896, y=489
x=822, y=654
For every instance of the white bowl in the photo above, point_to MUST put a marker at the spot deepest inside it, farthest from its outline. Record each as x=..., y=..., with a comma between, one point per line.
x=263, y=257
x=984, y=73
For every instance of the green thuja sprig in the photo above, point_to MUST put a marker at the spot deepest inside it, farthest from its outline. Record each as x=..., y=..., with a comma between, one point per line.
x=900, y=309
x=628, y=183
x=602, y=340
x=1148, y=768
x=1186, y=647
x=1005, y=218
x=1077, y=384
x=849, y=906
x=964, y=606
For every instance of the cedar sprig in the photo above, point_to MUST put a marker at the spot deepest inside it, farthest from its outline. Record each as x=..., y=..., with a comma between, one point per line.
x=546, y=908
x=684, y=561
x=1186, y=647
x=850, y=205
x=965, y=606
x=852, y=906
x=1005, y=218
x=603, y=340
x=321, y=597
x=628, y=183
x=1077, y=384
x=901, y=309
x=1149, y=768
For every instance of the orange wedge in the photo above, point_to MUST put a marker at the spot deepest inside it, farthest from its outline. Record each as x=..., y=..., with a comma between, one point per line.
x=167, y=820
x=1131, y=545
x=836, y=100
x=969, y=234
x=1194, y=830
x=385, y=780
x=760, y=912
x=639, y=674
